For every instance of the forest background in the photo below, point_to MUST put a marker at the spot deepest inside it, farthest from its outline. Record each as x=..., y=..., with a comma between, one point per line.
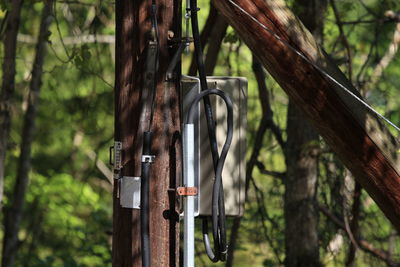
x=56, y=127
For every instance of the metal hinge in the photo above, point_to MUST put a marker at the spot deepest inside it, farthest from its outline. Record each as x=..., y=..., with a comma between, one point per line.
x=148, y=158
x=117, y=159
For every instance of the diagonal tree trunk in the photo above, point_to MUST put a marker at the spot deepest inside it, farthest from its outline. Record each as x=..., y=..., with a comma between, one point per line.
x=8, y=83
x=316, y=85
x=14, y=213
x=301, y=214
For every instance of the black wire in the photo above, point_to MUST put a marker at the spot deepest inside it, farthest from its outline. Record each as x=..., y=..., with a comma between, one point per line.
x=218, y=222
x=218, y=206
x=203, y=81
x=144, y=202
x=147, y=142
x=154, y=37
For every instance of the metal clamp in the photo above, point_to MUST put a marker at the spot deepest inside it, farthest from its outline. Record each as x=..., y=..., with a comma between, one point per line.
x=186, y=191
x=148, y=158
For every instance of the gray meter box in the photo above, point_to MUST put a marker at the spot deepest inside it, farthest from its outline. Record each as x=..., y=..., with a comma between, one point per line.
x=130, y=192
x=235, y=166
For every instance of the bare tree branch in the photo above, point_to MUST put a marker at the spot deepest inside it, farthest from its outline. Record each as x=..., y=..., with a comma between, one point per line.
x=386, y=59
x=343, y=38
x=363, y=244
x=72, y=40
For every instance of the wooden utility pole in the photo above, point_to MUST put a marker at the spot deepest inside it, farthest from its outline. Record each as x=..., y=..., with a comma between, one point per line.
x=132, y=35
x=359, y=138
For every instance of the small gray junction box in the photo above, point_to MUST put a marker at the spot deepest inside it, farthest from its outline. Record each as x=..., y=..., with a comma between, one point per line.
x=234, y=173
x=130, y=192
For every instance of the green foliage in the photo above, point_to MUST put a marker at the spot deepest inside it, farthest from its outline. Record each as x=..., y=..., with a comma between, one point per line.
x=368, y=43
x=68, y=209
x=67, y=215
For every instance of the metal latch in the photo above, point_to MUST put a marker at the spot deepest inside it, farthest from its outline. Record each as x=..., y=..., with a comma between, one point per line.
x=148, y=158
x=130, y=192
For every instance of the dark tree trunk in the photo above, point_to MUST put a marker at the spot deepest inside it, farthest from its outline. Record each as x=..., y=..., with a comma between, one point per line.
x=8, y=83
x=354, y=225
x=14, y=213
x=214, y=44
x=301, y=214
x=132, y=36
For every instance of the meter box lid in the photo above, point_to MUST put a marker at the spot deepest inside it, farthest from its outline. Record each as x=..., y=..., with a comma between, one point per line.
x=234, y=173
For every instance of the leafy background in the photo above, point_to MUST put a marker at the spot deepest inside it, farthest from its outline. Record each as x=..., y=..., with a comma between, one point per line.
x=67, y=215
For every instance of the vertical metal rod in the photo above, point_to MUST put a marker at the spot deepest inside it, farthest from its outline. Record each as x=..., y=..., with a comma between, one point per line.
x=188, y=180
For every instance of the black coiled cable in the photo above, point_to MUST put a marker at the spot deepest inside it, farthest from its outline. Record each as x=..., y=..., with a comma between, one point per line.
x=218, y=220
x=151, y=67
x=218, y=206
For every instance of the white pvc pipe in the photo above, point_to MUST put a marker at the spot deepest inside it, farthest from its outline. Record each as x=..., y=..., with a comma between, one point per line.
x=188, y=181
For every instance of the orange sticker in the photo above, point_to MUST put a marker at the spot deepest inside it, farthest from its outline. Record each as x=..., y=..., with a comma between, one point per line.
x=186, y=191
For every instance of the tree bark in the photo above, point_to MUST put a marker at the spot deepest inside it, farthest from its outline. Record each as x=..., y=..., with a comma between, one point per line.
x=8, y=83
x=214, y=44
x=301, y=214
x=354, y=225
x=14, y=213
x=132, y=29
x=359, y=138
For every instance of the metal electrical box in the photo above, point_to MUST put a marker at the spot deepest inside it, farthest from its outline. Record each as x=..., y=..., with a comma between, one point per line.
x=235, y=165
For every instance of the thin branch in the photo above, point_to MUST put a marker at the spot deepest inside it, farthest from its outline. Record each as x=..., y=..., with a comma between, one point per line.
x=354, y=225
x=364, y=245
x=72, y=40
x=343, y=37
x=386, y=59
x=369, y=21
x=262, y=211
x=267, y=114
x=261, y=168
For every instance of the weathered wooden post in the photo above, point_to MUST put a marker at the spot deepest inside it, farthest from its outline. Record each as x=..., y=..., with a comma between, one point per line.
x=132, y=34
